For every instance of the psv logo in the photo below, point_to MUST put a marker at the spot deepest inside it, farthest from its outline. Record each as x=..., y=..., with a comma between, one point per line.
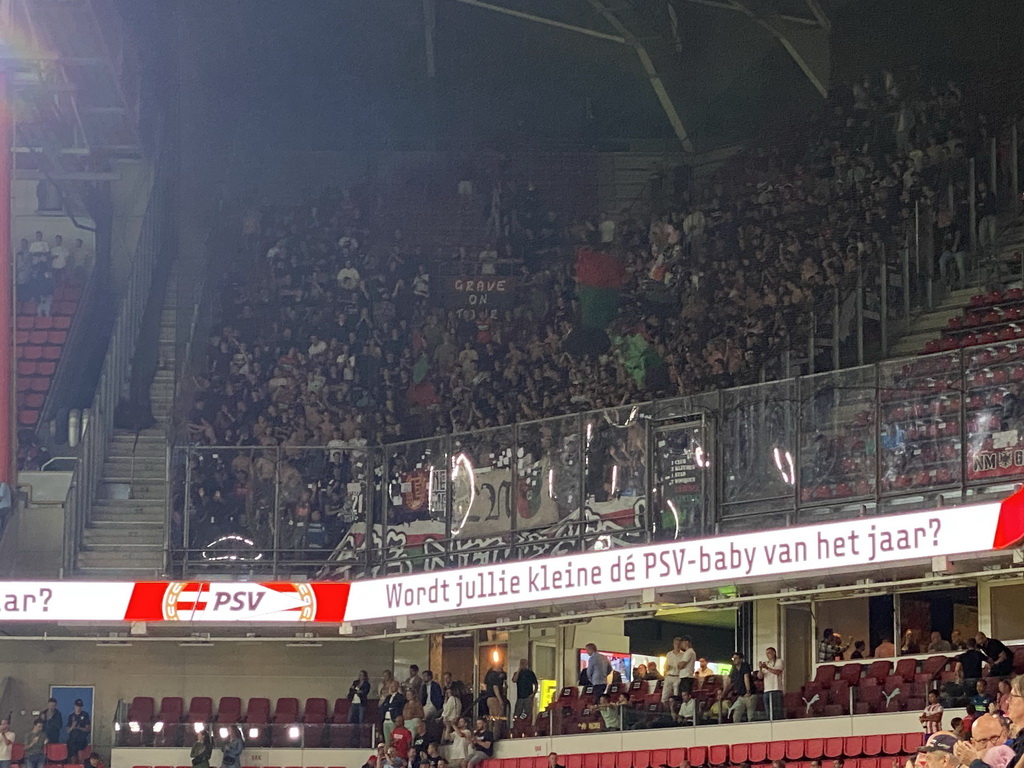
x=199, y=601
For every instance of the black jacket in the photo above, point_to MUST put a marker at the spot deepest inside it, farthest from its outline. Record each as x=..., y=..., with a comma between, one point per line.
x=432, y=693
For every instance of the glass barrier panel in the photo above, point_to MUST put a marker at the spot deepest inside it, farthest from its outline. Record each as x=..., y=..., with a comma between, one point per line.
x=418, y=476
x=178, y=491
x=233, y=495
x=480, y=491
x=615, y=481
x=919, y=423
x=837, y=435
x=343, y=499
x=549, y=471
x=683, y=479
x=758, y=435
x=994, y=381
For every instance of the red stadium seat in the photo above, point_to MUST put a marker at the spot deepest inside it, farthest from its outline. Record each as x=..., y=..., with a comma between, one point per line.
x=66, y=308
x=606, y=760
x=229, y=710
x=624, y=760
x=25, y=322
x=758, y=752
x=51, y=353
x=906, y=669
x=853, y=746
x=659, y=757
x=200, y=710
x=31, y=352
x=795, y=749
x=258, y=711
x=892, y=743
x=776, y=750
x=850, y=673
x=825, y=674
x=814, y=748
x=38, y=384
x=879, y=670
x=592, y=760
x=575, y=761
x=61, y=323
x=698, y=756
x=739, y=753
x=718, y=754
x=56, y=753
x=56, y=337
x=34, y=400
x=872, y=746
x=642, y=758
x=834, y=747
x=21, y=337
x=46, y=368
x=911, y=741
x=676, y=757
x=315, y=711
x=28, y=417
x=43, y=323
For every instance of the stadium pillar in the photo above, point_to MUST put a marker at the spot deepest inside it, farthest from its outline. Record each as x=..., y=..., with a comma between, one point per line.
x=6, y=288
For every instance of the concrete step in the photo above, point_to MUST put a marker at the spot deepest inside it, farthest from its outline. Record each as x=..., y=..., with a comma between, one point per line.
x=152, y=490
x=99, y=573
x=123, y=535
x=137, y=560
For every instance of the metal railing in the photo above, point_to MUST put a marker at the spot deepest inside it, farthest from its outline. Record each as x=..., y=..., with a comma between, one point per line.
x=114, y=376
x=297, y=735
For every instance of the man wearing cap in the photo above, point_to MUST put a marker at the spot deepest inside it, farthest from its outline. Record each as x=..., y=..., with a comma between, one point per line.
x=79, y=728
x=938, y=751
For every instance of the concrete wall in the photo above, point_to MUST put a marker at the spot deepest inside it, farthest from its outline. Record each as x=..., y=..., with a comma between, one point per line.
x=32, y=544
x=158, y=669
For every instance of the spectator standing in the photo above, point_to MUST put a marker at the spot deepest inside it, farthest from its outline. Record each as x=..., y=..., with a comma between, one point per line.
x=741, y=685
x=452, y=709
x=201, y=750
x=527, y=686
x=970, y=664
x=495, y=683
x=231, y=752
x=986, y=212
x=415, y=682
x=858, y=650
x=7, y=739
x=412, y=712
x=998, y=655
x=702, y=672
x=59, y=255
x=358, y=694
x=674, y=663
x=401, y=738
x=931, y=716
x=79, y=728
x=432, y=696
x=53, y=721
x=598, y=669
x=35, y=745
x=384, y=688
x=483, y=743
x=462, y=745
x=1003, y=698
x=770, y=671
x=391, y=707
x=830, y=647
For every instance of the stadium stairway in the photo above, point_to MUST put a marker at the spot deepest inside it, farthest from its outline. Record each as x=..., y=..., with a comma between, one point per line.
x=1004, y=270
x=125, y=534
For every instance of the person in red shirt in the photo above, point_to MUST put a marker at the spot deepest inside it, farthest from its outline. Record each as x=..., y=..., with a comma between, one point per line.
x=401, y=738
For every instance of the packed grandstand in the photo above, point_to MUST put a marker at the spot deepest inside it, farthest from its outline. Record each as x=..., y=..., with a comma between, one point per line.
x=544, y=456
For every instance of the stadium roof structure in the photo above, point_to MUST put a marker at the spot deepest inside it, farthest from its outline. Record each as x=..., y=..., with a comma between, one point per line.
x=73, y=79
x=692, y=52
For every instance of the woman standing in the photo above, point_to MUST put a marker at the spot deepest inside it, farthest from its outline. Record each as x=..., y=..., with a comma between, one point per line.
x=413, y=710
x=385, y=684
x=202, y=750
x=357, y=695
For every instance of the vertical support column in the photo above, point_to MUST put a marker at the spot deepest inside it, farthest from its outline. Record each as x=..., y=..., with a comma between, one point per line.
x=972, y=196
x=1014, y=171
x=905, y=258
x=6, y=289
x=883, y=310
x=429, y=26
x=810, y=345
x=993, y=172
x=435, y=655
x=836, y=313
x=860, y=310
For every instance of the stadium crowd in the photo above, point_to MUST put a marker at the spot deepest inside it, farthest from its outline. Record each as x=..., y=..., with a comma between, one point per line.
x=331, y=332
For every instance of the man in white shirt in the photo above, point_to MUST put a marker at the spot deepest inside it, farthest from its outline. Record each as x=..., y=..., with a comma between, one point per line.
x=7, y=739
x=39, y=245
x=348, y=277
x=679, y=663
x=771, y=672
x=59, y=256
x=687, y=712
x=606, y=228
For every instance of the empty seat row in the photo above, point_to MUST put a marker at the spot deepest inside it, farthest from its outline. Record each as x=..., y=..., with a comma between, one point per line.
x=36, y=368
x=58, y=307
x=870, y=751
x=229, y=710
x=31, y=323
